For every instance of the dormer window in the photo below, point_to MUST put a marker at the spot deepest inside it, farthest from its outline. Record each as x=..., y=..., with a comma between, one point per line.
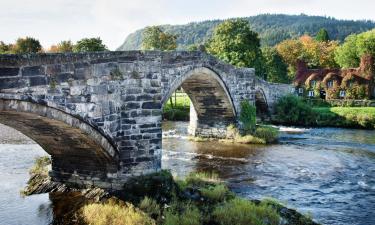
x=313, y=83
x=330, y=84
x=342, y=93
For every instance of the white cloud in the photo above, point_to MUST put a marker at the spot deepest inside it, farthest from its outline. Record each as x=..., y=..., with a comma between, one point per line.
x=54, y=20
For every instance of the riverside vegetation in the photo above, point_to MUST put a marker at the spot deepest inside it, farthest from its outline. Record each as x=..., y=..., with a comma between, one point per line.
x=200, y=198
x=292, y=110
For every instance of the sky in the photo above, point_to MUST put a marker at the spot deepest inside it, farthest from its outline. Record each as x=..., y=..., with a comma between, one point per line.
x=51, y=21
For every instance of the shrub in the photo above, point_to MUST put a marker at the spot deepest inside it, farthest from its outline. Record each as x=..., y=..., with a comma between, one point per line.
x=243, y=212
x=291, y=110
x=150, y=206
x=159, y=185
x=112, y=213
x=215, y=193
x=248, y=117
x=267, y=133
x=182, y=215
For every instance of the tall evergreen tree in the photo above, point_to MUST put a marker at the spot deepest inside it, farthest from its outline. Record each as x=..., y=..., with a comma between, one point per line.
x=322, y=35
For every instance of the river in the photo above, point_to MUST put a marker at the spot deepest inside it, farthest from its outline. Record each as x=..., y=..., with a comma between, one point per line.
x=326, y=172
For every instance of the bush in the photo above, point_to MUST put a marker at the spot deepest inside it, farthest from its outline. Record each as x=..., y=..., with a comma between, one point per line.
x=291, y=110
x=113, y=213
x=215, y=193
x=150, y=206
x=182, y=215
x=158, y=185
x=243, y=212
x=267, y=133
x=248, y=117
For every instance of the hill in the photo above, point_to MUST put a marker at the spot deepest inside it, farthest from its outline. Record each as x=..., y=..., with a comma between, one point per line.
x=272, y=28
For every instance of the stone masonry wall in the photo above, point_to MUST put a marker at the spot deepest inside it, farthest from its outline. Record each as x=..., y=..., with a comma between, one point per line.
x=120, y=95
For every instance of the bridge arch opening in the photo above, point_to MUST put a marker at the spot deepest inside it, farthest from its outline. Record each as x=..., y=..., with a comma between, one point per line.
x=78, y=151
x=211, y=107
x=261, y=104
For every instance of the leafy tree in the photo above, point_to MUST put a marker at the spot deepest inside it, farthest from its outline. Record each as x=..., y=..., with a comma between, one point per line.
x=63, y=46
x=316, y=54
x=276, y=68
x=234, y=42
x=349, y=53
x=5, y=48
x=322, y=35
x=90, y=45
x=26, y=45
x=154, y=38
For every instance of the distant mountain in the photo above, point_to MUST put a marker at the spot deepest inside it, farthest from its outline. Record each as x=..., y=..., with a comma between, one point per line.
x=272, y=29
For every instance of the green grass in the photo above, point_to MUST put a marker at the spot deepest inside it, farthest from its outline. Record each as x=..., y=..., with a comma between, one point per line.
x=243, y=212
x=215, y=193
x=179, y=109
x=360, y=117
x=114, y=213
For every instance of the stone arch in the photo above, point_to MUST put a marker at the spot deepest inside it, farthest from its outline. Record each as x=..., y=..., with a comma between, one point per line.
x=261, y=104
x=78, y=150
x=212, y=106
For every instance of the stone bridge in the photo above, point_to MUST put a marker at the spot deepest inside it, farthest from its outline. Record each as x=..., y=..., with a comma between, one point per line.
x=99, y=114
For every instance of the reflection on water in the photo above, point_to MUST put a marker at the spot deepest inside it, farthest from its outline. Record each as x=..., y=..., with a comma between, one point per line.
x=327, y=172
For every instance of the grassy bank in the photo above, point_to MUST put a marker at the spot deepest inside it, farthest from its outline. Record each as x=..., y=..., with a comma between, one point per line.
x=177, y=107
x=160, y=199
x=359, y=117
x=292, y=110
x=199, y=199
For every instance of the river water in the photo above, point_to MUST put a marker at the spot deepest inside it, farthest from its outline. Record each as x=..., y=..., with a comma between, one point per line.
x=326, y=172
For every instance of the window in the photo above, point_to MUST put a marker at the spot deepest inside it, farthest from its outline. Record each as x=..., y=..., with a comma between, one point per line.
x=300, y=90
x=330, y=84
x=313, y=83
x=342, y=93
x=311, y=93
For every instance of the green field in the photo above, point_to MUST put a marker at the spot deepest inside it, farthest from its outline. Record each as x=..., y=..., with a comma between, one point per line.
x=359, y=117
x=177, y=107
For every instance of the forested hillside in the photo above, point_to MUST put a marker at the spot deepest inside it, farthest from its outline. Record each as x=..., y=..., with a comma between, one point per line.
x=272, y=29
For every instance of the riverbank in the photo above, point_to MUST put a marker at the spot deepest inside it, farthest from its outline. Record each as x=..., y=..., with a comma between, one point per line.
x=349, y=117
x=294, y=111
x=200, y=198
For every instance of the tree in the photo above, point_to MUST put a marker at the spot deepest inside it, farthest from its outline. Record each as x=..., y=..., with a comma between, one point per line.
x=355, y=46
x=90, y=45
x=5, y=48
x=276, y=68
x=154, y=38
x=63, y=46
x=322, y=35
x=316, y=54
x=234, y=42
x=26, y=45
